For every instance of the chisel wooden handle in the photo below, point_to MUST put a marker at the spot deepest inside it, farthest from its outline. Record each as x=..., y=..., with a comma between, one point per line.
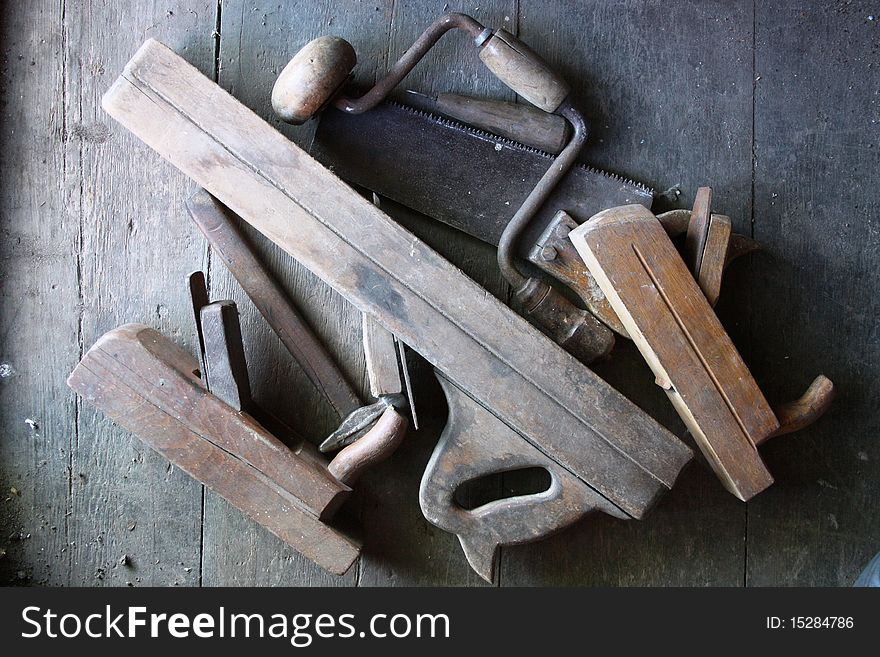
x=226, y=239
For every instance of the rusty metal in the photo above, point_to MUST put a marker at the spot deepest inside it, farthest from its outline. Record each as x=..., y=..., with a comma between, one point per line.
x=538, y=197
x=467, y=178
x=410, y=58
x=226, y=372
x=357, y=423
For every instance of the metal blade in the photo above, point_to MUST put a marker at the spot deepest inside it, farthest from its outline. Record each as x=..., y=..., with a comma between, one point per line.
x=198, y=295
x=380, y=353
x=467, y=178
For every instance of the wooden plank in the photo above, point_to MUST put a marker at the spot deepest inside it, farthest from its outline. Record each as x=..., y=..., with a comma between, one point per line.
x=406, y=549
x=381, y=354
x=666, y=90
x=39, y=297
x=714, y=257
x=815, y=308
x=582, y=424
x=698, y=230
x=668, y=317
x=257, y=40
x=128, y=501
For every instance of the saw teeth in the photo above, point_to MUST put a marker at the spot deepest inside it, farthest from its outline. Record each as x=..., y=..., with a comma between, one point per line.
x=485, y=134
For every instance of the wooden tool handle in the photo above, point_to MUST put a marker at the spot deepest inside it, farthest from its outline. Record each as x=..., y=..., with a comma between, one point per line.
x=521, y=69
x=573, y=329
x=521, y=123
x=802, y=412
x=226, y=239
x=376, y=445
x=312, y=78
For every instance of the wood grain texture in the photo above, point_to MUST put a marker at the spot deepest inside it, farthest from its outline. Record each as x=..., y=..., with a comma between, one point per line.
x=39, y=298
x=126, y=500
x=692, y=357
x=817, y=117
x=666, y=90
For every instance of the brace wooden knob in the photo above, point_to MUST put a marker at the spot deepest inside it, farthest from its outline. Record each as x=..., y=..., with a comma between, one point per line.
x=312, y=78
x=523, y=70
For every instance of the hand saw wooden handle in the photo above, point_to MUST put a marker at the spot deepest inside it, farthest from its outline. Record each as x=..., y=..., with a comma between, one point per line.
x=515, y=121
x=474, y=444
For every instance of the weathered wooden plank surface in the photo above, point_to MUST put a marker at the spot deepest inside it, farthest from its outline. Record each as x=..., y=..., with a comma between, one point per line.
x=668, y=90
x=39, y=299
x=135, y=251
x=817, y=151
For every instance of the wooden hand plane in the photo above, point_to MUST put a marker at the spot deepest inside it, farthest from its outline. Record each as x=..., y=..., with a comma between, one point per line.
x=201, y=417
x=151, y=387
x=667, y=313
x=506, y=381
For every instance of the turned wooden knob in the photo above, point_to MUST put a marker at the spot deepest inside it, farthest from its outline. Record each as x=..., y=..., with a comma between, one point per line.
x=311, y=78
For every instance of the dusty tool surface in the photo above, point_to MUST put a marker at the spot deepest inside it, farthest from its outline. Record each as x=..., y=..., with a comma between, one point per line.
x=459, y=174
x=687, y=348
x=560, y=410
x=84, y=251
x=147, y=384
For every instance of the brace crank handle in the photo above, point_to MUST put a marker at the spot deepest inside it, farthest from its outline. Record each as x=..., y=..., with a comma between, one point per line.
x=522, y=69
x=315, y=75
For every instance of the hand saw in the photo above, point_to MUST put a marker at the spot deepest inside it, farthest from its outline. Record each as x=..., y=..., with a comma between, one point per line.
x=472, y=179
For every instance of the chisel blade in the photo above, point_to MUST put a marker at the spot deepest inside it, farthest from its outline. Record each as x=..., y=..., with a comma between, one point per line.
x=464, y=177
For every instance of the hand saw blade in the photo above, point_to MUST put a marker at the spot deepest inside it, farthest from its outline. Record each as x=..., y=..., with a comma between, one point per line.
x=467, y=178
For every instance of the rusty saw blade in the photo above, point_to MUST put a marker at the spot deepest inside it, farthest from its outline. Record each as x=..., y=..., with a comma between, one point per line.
x=474, y=181
x=465, y=177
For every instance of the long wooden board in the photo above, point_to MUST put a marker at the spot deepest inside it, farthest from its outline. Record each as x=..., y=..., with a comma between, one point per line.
x=673, y=325
x=545, y=395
